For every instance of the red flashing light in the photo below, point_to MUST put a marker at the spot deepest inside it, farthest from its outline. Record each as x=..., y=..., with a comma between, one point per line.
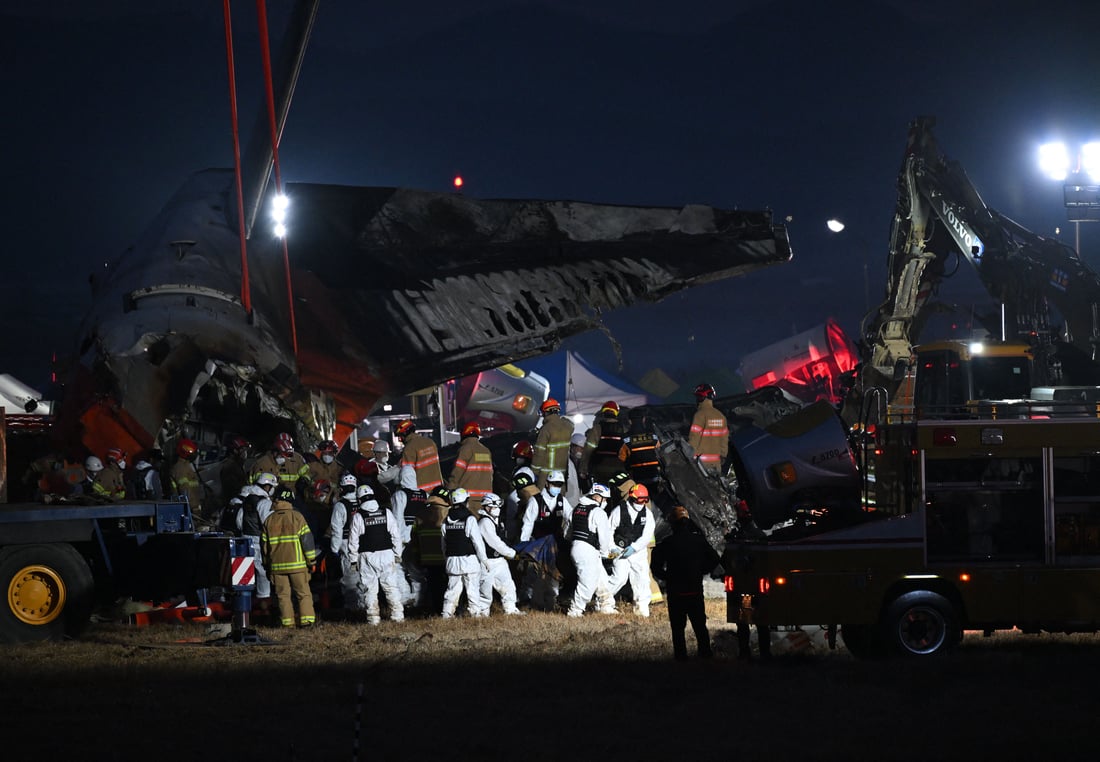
x=458, y=181
x=964, y=577
x=764, y=585
x=729, y=583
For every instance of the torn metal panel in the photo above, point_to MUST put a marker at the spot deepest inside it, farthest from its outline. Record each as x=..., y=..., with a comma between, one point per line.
x=394, y=290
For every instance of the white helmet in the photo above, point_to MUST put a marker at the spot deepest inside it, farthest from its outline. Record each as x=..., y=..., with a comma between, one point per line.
x=459, y=496
x=601, y=490
x=93, y=465
x=492, y=503
x=349, y=480
x=267, y=480
x=381, y=447
x=364, y=492
x=557, y=477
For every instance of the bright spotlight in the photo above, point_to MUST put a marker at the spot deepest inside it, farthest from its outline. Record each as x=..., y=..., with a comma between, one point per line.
x=835, y=225
x=280, y=230
x=1054, y=160
x=280, y=201
x=577, y=418
x=1090, y=160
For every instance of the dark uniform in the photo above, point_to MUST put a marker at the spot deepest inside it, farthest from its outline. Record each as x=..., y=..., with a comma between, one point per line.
x=681, y=560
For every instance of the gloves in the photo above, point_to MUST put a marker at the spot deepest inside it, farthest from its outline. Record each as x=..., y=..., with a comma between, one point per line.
x=355, y=566
x=628, y=551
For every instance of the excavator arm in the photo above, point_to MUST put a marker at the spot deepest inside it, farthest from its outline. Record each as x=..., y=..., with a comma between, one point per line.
x=941, y=218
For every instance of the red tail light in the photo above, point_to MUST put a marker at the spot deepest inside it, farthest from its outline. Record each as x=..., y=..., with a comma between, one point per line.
x=764, y=585
x=729, y=583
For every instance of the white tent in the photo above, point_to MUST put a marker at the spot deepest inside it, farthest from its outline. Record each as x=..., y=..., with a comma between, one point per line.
x=582, y=387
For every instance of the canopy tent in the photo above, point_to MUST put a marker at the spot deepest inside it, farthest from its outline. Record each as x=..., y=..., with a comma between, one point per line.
x=582, y=387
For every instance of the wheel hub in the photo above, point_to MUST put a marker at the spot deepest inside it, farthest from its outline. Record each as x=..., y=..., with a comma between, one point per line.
x=36, y=595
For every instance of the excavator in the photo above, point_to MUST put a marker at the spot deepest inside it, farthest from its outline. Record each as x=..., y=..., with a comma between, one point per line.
x=954, y=491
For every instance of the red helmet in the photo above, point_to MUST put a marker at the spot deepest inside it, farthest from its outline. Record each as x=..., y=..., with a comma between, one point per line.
x=611, y=406
x=186, y=449
x=550, y=406
x=704, y=392
x=404, y=428
x=328, y=446
x=523, y=449
x=364, y=467
x=236, y=444
x=116, y=454
x=639, y=493
x=472, y=429
x=321, y=490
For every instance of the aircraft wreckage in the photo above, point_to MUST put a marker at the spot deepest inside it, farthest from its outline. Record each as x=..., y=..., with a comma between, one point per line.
x=393, y=290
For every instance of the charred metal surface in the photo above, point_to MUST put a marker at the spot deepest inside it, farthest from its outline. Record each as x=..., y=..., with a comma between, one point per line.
x=394, y=290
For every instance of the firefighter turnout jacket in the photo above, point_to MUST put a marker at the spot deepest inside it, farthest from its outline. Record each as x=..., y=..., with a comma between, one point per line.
x=710, y=436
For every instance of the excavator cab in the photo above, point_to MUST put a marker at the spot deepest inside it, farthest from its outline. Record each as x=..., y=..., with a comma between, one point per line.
x=956, y=378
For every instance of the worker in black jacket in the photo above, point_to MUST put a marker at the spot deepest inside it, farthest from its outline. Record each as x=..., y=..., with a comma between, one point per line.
x=681, y=560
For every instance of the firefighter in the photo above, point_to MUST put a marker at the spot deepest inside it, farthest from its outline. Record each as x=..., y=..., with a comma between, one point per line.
x=254, y=510
x=289, y=555
x=523, y=488
x=347, y=503
x=590, y=536
x=421, y=453
x=499, y=576
x=374, y=544
x=603, y=443
x=473, y=469
x=464, y=550
x=575, y=486
x=632, y=527
x=639, y=450
x=552, y=444
x=325, y=467
x=185, y=476
x=710, y=435
x=428, y=543
x=620, y=485
x=110, y=483
x=92, y=467
x=289, y=466
x=232, y=473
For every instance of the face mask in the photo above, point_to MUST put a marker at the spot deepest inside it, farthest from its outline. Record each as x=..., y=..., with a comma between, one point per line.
x=122, y=465
x=279, y=459
x=326, y=459
x=493, y=512
x=553, y=491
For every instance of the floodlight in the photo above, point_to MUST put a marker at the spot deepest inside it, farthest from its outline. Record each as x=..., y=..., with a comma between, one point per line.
x=1054, y=160
x=1090, y=160
x=835, y=225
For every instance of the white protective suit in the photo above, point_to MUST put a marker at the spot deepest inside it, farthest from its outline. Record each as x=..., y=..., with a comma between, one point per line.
x=499, y=576
x=263, y=508
x=591, y=575
x=349, y=579
x=377, y=567
x=634, y=568
x=464, y=572
x=409, y=581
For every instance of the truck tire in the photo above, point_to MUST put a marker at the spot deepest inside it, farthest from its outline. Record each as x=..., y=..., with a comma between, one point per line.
x=921, y=623
x=48, y=592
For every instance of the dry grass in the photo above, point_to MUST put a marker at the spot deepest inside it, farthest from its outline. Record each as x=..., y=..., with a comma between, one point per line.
x=537, y=687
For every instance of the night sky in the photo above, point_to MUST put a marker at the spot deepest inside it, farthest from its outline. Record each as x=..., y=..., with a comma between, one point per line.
x=801, y=107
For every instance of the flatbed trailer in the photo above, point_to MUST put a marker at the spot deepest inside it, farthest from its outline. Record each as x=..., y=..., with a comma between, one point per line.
x=58, y=561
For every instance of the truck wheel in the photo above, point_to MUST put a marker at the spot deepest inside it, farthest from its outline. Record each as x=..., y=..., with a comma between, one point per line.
x=921, y=623
x=48, y=592
x=863, y=641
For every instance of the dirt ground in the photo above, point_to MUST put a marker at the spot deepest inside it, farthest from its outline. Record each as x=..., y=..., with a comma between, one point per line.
x=539, y=687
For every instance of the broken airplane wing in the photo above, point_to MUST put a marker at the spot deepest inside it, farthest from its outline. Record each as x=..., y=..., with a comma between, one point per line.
x=394, y=290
